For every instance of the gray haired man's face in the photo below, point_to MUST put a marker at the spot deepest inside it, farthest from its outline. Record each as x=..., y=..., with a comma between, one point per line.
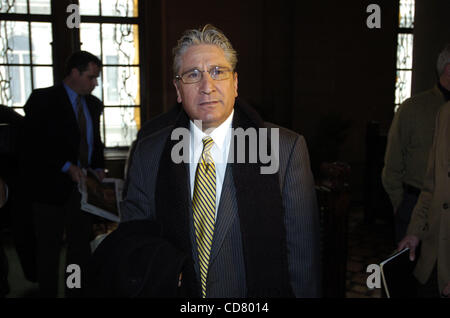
x=208, y=100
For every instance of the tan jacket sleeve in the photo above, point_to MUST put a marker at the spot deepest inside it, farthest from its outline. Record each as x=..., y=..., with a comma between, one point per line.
x=418, y=224
x=394, y=164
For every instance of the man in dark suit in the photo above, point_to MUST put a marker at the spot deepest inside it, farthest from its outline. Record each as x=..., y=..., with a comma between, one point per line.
x=16, y=214
x=10, y=123
x=251, y=230
x=10, y=129
x=4, y=286
x=63, y=135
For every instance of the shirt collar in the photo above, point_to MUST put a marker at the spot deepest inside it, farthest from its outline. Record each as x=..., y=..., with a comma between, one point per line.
x=219, y=134
x=72, y=94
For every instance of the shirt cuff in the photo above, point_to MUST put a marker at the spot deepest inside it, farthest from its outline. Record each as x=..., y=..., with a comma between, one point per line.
x=66, y=166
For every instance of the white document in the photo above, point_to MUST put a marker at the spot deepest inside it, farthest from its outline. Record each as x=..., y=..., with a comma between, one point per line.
x=101, y=198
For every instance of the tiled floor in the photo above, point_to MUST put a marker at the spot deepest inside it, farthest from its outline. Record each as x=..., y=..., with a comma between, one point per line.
x=367, y=244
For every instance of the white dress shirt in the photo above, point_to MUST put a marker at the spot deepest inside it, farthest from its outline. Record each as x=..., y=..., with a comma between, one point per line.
x=219, y=152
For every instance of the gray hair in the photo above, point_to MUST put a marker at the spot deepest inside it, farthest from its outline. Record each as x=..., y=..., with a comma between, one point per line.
x=206, y=35
x=443, y=59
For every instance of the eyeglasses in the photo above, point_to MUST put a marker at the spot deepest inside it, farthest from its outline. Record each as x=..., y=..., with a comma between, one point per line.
x=217, y=73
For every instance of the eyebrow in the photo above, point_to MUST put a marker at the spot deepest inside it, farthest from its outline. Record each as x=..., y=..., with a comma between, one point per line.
x=197, y=68
x=190, y=70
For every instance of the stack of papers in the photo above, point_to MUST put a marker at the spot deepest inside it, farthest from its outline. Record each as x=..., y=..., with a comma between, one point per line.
x=101, y=198
x=397, y=275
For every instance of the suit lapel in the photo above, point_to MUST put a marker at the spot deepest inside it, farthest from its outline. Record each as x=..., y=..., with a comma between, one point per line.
x=92, y=108
x=69, y=114
x=226, y=213
x=446, y=149
x=443, y=135
x=191, y=220
x=447, y=128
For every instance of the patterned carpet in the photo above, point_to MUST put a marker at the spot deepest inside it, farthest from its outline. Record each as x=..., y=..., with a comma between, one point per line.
x=367, y=244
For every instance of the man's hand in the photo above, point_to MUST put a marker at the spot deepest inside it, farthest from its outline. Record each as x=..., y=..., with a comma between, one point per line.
x=101, y=174
x=410, y=241
x=446, y=291
x=75, y=173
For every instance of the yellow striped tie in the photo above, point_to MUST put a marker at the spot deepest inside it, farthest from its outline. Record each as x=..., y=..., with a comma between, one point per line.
x=204, y=206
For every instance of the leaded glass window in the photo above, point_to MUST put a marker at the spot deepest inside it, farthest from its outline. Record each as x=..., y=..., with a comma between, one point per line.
x=406, y=14
x=117, y=45
x=108, y=29
x=404, y=51
x=112, y=8
x=25, y=50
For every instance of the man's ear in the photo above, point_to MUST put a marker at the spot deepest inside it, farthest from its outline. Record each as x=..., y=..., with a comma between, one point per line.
x=75, y=73
x=179, y=100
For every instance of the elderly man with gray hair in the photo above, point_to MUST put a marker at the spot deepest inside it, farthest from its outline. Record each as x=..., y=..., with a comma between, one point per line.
x=409, y=143
x=430, y=221
x=247, y=234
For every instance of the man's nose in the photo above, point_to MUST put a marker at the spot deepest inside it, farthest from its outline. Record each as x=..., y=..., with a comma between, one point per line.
x=207, y=85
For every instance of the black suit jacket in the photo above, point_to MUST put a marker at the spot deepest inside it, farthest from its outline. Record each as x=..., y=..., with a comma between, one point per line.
x=53, y=138
x=10, y=142
x=159, y=122
x=227, y=272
